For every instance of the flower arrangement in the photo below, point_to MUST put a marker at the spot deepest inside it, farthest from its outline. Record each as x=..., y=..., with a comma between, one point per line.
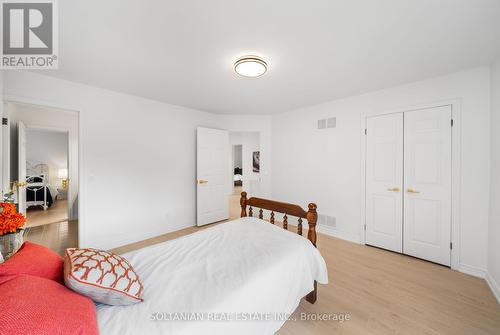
x=10, y=220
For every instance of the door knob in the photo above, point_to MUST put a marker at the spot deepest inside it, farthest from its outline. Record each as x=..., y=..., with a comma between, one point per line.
x=201, y=181
x=394, y=189
x=20, y=183
x=410, y=190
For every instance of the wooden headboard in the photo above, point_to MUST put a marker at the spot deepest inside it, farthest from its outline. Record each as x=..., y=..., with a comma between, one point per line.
x=282, y=207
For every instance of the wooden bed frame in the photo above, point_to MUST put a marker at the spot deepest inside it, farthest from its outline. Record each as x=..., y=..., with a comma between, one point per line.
x=287, y=209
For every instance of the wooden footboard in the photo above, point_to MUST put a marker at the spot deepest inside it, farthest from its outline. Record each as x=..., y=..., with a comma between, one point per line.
x=286, y=209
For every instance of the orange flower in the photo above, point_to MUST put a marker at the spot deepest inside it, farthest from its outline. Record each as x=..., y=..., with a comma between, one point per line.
x=10, y=219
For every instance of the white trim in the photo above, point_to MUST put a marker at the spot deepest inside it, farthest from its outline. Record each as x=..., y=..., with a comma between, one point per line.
x=81, y=172
x=471, y=270
x=494, y=286
x=456, y=170
x=338, y=234
x=121, y=240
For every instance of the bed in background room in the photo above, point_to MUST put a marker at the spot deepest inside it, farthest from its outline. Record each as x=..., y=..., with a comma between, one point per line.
x=38, y=191
x=238, y=176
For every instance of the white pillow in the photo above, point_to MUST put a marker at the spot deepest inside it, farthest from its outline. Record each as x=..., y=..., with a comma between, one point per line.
x=102, y=276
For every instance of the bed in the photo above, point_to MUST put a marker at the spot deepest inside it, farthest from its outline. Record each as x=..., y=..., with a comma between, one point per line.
x=38, y=192
x=242, y=277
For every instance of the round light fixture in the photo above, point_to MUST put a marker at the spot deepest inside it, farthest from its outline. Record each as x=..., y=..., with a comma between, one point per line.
x=250, y=66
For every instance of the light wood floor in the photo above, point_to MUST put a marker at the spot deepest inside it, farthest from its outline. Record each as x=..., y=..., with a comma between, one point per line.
x=58, y=212
x=56, y=236
x=234, y=203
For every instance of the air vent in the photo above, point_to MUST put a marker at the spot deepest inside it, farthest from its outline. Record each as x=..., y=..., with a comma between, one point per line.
x=321, y=219
x=322, y=124
x=331, y=221
x=331, y=122
x=327, y=220
x=327, y=123
x=4, y=121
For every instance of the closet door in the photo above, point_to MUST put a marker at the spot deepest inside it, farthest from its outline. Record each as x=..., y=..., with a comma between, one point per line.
x=427, y=181
x=384, y=181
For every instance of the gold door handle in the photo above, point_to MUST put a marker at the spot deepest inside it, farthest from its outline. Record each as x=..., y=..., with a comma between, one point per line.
x=201, y=181
x=410, y=190
x=394, y=189
x=20, y=183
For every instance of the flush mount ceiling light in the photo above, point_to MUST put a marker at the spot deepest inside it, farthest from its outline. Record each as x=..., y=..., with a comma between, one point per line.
x=250, y=66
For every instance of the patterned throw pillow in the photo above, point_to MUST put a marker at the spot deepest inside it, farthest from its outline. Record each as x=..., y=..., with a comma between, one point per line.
x=102, y=276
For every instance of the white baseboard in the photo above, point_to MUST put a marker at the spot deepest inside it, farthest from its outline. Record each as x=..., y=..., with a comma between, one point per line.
x=471, y=270
x=337, y=233
x=494, y=286
x=125, y=239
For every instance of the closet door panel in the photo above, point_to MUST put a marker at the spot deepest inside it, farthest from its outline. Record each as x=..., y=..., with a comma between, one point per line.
x=384, y=181
x=427, y=180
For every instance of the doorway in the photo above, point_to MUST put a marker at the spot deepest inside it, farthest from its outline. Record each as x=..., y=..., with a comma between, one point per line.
x=245, y=158
x=42, y=154
x=46, y=177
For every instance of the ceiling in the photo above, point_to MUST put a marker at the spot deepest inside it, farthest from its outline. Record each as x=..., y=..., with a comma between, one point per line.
x=182, y=52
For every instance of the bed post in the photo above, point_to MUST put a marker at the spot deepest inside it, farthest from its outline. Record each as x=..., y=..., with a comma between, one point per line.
x=312, y=218
x=243, y=203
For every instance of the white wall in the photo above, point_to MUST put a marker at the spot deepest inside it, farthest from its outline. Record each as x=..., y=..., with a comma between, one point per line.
x=324, y=166
x=494, y=227
x=51, y=148
x=137, y=158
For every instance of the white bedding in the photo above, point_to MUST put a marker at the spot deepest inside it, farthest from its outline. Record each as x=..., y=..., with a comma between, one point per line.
x=238, y=268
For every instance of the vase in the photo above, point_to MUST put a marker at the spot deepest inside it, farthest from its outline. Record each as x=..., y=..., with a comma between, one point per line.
x=10, y=244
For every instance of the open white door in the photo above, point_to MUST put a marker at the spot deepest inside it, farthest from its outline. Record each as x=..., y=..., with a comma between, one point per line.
x=213, y=175
x=384, y=182
x=427, y=213
x=21, y=164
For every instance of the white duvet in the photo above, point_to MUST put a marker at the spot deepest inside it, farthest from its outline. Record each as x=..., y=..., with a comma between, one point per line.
x=240, y=277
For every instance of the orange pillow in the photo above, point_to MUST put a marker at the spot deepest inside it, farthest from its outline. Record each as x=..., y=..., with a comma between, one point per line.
x=35, y=260
x=102, y=276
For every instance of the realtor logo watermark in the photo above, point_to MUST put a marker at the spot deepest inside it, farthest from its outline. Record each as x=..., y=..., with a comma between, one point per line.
x=29, y=34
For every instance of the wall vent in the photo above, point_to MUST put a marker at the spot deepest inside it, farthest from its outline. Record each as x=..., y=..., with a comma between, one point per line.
x=4, y=121
x=331, y=122
x=322, y=124
x=327, y=123
x=321, y=219
x=327, y=220
x=331, y=221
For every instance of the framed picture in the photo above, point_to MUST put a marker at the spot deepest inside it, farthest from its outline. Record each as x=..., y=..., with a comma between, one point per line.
x=256, y=161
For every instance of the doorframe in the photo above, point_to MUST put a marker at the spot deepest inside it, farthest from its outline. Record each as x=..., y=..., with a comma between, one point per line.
x=81, y=196
x=456, y=166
